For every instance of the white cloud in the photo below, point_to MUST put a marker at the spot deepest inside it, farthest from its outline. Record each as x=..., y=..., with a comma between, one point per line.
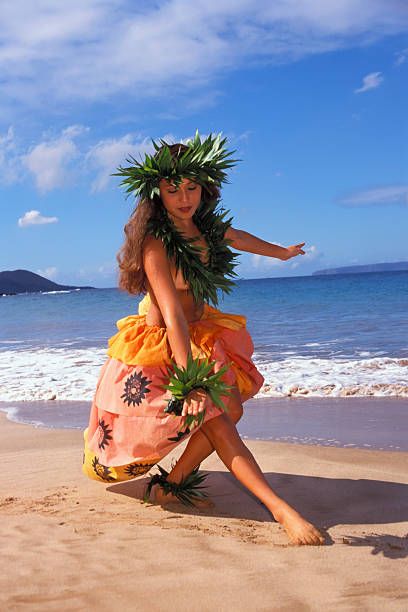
x=260, y=262
x=49, y=161
x=10, y=171
x=108, y=154
x=370, y=81
x=105, y=274
x=107, y=269
x=402, y=57
x=34, y=217
x=74, y=130
x=93, y=51
x=244, y=136
x=50, y=273
x=311, y=254
x=393, y=194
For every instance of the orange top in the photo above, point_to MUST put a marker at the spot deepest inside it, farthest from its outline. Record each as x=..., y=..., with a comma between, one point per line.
x=137, y=343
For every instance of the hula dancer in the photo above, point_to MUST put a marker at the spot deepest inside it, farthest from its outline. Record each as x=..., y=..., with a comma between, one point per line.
x=181, y=368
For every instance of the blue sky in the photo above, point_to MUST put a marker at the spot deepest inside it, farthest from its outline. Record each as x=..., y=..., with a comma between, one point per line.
x=312, y=94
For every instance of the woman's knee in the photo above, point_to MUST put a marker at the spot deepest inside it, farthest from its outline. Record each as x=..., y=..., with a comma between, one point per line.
x=220, y=429
x=234, y=405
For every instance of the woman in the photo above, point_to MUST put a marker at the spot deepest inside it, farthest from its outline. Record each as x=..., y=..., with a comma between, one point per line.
x=177, y=252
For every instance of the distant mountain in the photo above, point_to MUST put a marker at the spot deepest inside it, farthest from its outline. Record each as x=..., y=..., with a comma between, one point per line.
x=396, y=266
x=24, y=281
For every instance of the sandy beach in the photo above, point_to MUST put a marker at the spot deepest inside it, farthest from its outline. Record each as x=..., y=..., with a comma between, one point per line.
x=69, y=543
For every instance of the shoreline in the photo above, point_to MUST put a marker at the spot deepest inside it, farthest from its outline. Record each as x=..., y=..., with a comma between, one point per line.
x=365, y=423
x=82, y=529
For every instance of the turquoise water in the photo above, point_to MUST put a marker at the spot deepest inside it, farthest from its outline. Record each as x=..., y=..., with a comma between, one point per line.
x=320, y=316
x=328, y=336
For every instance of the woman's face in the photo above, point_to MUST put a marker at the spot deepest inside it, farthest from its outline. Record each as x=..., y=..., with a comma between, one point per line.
x=182, y=201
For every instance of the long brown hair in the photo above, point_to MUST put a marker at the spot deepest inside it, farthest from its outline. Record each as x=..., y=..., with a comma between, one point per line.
x=132, y=277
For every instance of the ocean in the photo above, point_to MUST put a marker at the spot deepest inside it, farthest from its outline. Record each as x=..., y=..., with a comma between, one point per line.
x=329, y=336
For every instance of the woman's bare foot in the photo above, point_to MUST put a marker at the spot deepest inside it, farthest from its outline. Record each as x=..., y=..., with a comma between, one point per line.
x=299, y=530
x=158, y=496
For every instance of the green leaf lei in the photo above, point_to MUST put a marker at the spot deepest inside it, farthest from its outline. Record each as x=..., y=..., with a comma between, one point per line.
x=203, y=279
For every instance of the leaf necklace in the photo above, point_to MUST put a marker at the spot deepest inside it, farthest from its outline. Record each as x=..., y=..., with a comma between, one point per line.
x=203, y=279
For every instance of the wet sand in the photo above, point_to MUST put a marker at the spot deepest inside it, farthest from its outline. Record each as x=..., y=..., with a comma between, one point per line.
x=354, y=422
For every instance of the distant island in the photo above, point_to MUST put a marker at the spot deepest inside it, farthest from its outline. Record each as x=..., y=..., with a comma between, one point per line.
x=24, y=281
x=396, y=266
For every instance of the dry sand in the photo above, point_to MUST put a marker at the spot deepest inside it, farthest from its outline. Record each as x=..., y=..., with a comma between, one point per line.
x=69, y=543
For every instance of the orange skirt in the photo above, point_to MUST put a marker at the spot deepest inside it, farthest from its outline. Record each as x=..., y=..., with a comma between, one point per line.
x=128, y=431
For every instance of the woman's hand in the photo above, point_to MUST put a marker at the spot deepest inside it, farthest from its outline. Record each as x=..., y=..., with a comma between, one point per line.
x=295, y=249
x=196, y=401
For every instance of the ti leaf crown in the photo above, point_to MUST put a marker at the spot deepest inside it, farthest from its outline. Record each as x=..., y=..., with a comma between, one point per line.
x=203, y=161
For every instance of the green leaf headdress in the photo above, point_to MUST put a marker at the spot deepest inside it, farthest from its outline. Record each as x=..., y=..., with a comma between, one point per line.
x=203, y=161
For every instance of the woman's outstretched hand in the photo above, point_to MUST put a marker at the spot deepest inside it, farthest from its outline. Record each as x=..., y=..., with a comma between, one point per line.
x=295, y=249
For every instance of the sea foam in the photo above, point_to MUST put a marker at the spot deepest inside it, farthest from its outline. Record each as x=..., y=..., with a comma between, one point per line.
x=71, y=374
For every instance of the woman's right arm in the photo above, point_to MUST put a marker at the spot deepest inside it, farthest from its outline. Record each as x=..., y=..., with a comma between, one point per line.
x=157, y=269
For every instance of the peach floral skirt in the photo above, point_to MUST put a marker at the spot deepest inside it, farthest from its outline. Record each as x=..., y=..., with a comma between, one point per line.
x=128, y=431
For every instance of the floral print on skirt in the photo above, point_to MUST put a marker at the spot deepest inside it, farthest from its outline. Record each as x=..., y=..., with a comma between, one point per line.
x=128, y=431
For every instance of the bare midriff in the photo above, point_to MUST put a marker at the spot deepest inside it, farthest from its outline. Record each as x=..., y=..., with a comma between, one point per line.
x=192, y=310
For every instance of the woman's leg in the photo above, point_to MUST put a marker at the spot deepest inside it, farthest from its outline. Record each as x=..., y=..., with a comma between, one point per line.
x=199, y=446
x=239, y=460
x=197, y=449
x=223, y=436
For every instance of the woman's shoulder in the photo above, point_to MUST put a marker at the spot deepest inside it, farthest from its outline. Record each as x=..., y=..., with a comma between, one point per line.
x=154, y=254
x=153, y=245
x=151, y=240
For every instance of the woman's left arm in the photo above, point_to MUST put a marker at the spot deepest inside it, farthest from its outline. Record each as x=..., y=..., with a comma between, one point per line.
x=244, y=241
